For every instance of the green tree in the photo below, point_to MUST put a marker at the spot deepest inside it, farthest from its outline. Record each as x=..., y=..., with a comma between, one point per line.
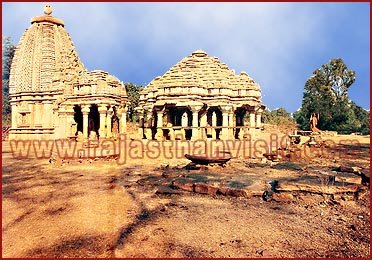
x=7, y=55
x=278, y=116
x=325, y=93
x=133, y=95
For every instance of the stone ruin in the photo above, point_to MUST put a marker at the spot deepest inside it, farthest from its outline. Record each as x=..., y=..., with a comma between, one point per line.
x=200, y=98
x=52, y=95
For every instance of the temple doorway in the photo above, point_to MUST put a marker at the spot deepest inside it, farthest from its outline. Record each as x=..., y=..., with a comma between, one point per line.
x=214, y=119
x=93, y=120
x=239, y=119
x=182, y=116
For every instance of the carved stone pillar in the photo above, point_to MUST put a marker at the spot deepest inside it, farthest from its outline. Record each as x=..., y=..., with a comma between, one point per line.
x=258, y=120
x=195, y=122
x=214, y=124
x=160, y=119
x=102, y=110
x=203, y=125
x=231, y=125
x=252, y=121
x=225, y=121
x=259, y=117
x=148, y=124
x=108, y=123
x=123, y=120
x=85, y=110
x=203, y=120
x=159, y=131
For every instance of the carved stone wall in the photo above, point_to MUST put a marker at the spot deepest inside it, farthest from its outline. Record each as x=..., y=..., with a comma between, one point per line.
x=45, y=53
x=48, y=82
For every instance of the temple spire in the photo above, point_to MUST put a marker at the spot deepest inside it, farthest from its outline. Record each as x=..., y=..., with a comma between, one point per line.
x=47, y=9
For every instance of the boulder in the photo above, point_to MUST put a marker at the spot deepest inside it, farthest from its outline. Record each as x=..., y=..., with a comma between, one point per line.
x=282, y=197
x=204, y=188
x=183, y=185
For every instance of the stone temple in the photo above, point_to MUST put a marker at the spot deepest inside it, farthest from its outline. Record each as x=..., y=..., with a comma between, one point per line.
x=53, y=96
x=199, y=98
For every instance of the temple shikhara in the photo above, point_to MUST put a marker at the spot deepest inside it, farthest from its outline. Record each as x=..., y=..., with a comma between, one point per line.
x=53, y=96
x=198, y=98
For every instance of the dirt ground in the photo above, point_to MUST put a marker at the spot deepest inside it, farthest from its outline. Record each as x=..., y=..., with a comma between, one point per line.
x=102, y=209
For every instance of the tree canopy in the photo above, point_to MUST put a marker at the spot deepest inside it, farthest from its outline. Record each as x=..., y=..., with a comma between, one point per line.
x=326, y=94
x=8, y=49
x=133, y=95
x=278, y=116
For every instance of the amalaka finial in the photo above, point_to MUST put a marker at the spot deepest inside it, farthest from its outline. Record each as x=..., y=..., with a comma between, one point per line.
x=47, y=9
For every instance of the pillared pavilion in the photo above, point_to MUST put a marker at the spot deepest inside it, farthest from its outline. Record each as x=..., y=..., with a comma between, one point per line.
x=199, y=98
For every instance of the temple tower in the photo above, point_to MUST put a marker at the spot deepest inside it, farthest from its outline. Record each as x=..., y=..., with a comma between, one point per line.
x=51, y=92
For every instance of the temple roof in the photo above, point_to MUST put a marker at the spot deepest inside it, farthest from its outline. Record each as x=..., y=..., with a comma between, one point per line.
x=204, y=76
x=46, y=61
x=47, y=17
x=44, y=52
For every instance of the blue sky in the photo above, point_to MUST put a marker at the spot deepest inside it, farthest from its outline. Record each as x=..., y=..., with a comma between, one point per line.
x=278, y=44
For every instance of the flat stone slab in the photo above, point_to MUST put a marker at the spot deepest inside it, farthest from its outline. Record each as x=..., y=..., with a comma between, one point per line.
x=246, y=185
x=318, y=189
x=210, y=189
x=166, y=190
